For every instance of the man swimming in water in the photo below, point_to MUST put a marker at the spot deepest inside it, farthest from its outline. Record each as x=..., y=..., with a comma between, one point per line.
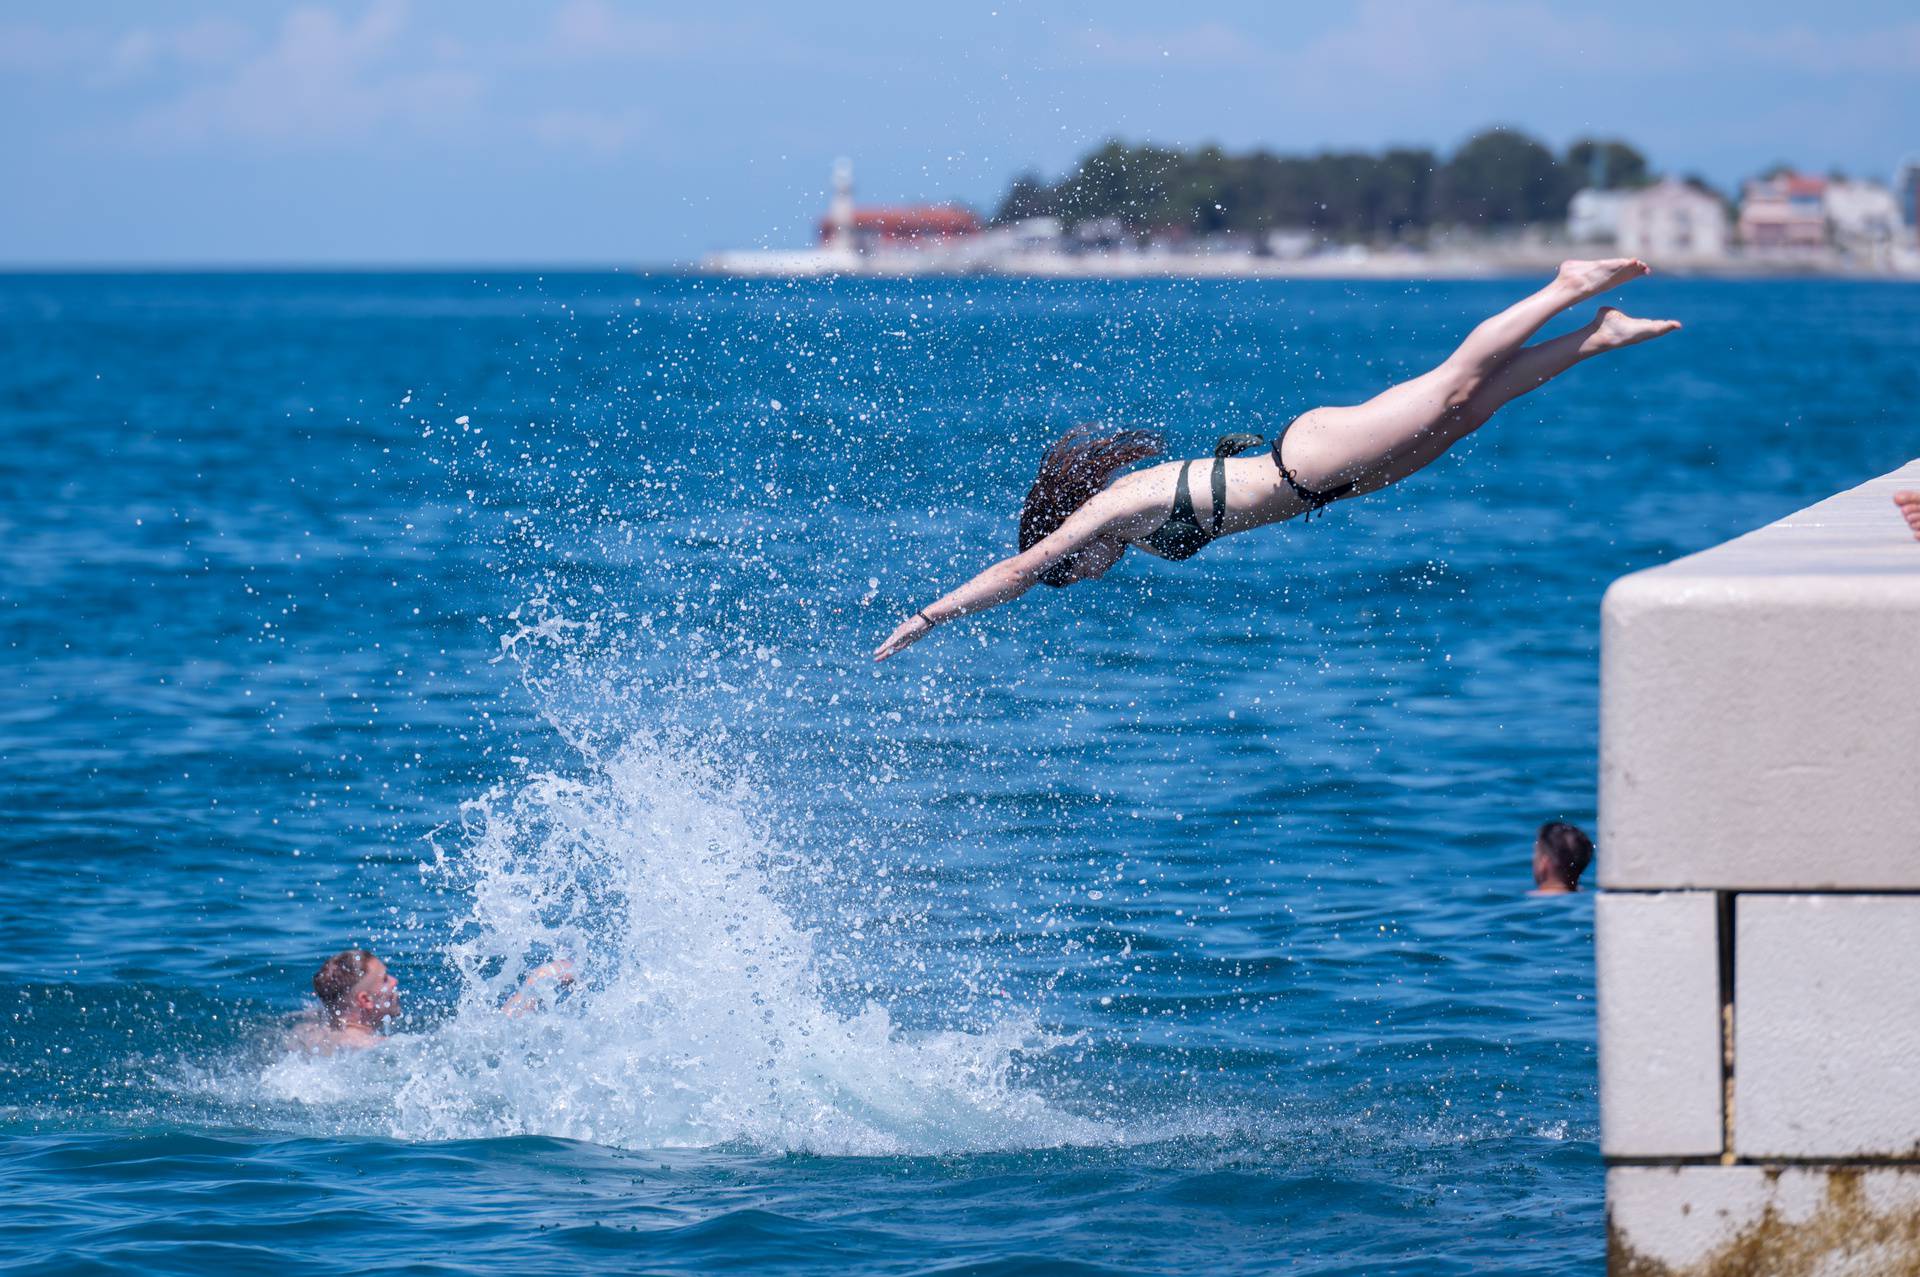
x=358, y=995
x=1561, y=853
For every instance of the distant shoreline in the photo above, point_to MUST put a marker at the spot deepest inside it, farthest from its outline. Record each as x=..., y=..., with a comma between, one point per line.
x=1382, y=268
x=1389, y=268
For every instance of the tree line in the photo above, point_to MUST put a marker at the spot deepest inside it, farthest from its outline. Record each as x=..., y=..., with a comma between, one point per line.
x=1499, y=177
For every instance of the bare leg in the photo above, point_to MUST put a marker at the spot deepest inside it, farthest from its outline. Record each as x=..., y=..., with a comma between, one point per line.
x=1391, y=435
x=1529, y=369
x=1496, y=340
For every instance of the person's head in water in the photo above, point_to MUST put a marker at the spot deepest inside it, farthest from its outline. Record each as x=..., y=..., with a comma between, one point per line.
x=356, y=991
x=1561, y=853
x=1075, y=468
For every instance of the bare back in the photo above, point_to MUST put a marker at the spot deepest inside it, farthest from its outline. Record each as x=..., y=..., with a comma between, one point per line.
x=1254, y=491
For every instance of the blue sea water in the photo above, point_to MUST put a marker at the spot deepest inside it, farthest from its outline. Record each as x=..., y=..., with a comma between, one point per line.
x=1175, y=924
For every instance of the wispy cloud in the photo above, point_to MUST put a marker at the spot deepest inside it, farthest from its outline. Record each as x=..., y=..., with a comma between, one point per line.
x=597, y=133
x=588, y=30
x=320, y=79
x=1430, y=47
x=1801, y=48
x=35, y=49
x=146, y=52
x=1391, y=44
x=1207, y=44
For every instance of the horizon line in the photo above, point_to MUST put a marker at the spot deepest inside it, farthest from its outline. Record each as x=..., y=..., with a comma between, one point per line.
x=345, y=266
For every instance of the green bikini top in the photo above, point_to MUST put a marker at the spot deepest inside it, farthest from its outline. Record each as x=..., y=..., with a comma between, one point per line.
x=1181, y=536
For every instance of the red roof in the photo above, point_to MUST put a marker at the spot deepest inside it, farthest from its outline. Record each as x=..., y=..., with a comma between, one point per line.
x=909, y=221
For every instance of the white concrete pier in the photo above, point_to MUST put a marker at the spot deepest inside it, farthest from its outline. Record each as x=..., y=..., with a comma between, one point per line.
x=1759, y=928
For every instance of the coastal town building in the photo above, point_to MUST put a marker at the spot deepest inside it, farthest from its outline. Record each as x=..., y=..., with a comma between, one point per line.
x=1864, y=221
x=1593, y=215
x=1850, y=223
x=1292, y=244
x=1906, y=189
x=1788, y=222
x=1102, y=235
x=1784, y=215
x=900, y=226
x=851, y=228
x=1671, y=220
x=852, y=238
x=1031, y=235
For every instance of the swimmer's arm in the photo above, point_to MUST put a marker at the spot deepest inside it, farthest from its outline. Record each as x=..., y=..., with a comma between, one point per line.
x=560, y=971
x=1117, y=511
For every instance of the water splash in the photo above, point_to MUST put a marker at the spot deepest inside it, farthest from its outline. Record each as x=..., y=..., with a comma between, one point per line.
x=721, y=964
x=700, y=1014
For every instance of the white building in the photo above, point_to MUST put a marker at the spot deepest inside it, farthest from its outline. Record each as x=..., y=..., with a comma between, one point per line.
x=1034, y=235
x=1906, y=189
x=1593, y=215
x=836, y=254
x=1864, y=220
x=1785, y=215
x=1671, y=220
x=1293, y=243
x=836, y=228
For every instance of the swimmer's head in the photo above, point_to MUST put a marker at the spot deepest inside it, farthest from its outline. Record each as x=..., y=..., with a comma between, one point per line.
x=1075, y=468
x=1561, y=853
x=354, y=987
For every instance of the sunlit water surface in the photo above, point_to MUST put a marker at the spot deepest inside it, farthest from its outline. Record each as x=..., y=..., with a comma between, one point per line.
x=1175, y=924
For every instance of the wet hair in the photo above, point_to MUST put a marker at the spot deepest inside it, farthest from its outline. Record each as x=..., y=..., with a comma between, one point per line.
x=1570, y=850
x=333, y=982
x=1080, y=464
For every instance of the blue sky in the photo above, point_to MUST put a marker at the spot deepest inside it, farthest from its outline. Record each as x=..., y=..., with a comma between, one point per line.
x=383, y=131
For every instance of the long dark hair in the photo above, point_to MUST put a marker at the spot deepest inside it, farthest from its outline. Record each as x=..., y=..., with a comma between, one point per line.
x=1077, y=466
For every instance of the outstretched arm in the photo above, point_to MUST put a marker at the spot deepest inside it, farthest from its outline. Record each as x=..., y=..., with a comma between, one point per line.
x=559, y=971
x=1004, y=581
x=1111, y=513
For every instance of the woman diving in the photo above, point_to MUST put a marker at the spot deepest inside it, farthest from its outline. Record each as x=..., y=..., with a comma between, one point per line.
x=1078, y=520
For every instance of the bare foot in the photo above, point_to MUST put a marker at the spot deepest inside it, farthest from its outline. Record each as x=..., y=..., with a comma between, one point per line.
x=1909, y=503
x=1612, y=329
x=1590, y=279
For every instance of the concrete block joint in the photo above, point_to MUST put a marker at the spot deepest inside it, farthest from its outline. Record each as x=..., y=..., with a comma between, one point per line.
x=1760, y=914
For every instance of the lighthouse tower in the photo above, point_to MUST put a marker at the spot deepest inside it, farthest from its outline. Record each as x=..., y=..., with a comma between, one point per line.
x=839, y=236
